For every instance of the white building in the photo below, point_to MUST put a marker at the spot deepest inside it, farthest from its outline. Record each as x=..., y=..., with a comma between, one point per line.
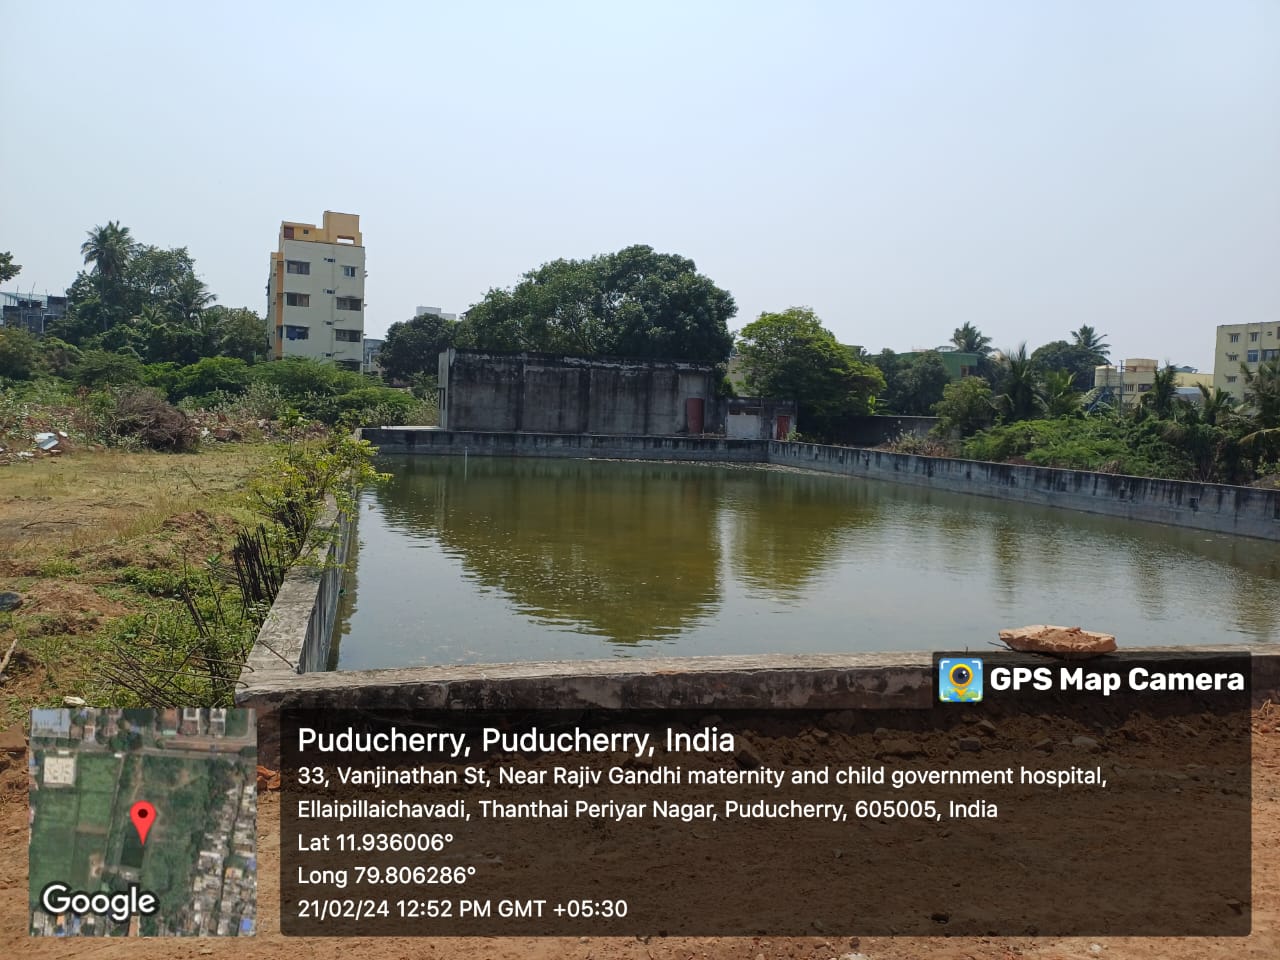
x=315, y=293
x=1242, y=343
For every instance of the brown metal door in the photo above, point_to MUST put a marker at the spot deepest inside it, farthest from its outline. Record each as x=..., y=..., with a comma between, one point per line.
x=693, y=412
x=783, y=427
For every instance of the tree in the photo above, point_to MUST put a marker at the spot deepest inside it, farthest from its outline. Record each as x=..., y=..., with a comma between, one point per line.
x=8, y=269
x=236, y=332
x=1160, y=399
x=969, y=339
x=912, y=384
x=1019, y=398
x=965, y=408
x=1058, y=393
x=413, y=346
x=635, y=303
x=1089, y=340
x=1071, y=358
x=1216, y=405
x=1262, y=392
x=18, y=354
x=790, y=355
x=108, y=249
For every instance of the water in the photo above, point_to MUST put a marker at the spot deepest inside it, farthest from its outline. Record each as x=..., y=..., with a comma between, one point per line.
x=498, y=560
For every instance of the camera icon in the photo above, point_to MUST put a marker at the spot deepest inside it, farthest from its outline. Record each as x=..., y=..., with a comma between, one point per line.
x=960, y=680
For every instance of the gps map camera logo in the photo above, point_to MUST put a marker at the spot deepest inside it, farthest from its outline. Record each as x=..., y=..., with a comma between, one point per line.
x=960, y=680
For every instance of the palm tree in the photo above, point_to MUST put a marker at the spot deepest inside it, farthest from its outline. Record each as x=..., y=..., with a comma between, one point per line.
x=108, y=249
x=1058, y=393
x=1018, y=398
x=1216, y=406
x=1164, y=391
x=1088, y=339
x=189, y=299
x=969, y=339
x=1262, y=392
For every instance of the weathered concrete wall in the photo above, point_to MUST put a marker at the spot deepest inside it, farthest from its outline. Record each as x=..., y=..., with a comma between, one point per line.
x=429, y=440
x=295, y=638
x=757, y=418
x=537, y=393
x=1243, y=511
x=873, y=431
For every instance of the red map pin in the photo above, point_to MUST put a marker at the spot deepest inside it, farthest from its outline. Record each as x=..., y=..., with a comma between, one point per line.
x=143, y=815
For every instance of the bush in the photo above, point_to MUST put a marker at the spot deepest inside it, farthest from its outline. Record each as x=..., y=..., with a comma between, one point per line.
x=211, y=375
x=98, y=368
x=17, y=354
x=298, y=378
x=156, y=423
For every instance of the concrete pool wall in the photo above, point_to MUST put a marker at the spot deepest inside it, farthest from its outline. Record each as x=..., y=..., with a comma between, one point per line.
x=286, y=666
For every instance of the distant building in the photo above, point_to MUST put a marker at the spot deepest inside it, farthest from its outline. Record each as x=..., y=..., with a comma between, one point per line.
x=959, y=364
x=1127, y=381
x=315, y=293
x=372, y=348
x=1247, y=344
x=59, y=770
x=434, y=312
x=31, y=313
x=54, y=723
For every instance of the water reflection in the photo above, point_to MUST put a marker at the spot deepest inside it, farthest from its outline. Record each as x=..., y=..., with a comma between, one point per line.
x=495, y=559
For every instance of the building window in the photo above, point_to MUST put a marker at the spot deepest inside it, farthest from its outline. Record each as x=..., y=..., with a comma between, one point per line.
x=331, y=292
x=1144, y=387
x=297, y=299
x=288, y=233
x=297, y=266
x=329, y=260
x=352, y=365
x=1270, y=354
x=1128, y=388
x=1233, y=337
x=1233, y=357
x=347, y=303
x=1253, y=337
x=294, y=332
x=1231, y=379
x=348, y=271
x=1251, y=356
x=347, y=336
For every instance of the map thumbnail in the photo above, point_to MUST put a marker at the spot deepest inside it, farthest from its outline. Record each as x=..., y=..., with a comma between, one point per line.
x=143, y=822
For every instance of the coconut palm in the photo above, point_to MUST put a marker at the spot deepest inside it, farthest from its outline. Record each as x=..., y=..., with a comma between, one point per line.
x=108, y=249
x=1262, y=392
x=1160, y=399
x=1058, y=393
x=1088, y=339
x=1019, y=398
x=189, y=299
x=969, y=339
x=1216, y=405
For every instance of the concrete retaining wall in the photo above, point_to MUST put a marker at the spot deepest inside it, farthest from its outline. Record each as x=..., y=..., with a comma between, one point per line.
x=872, y=431
x=1243, y=511
x=429, y=440
x=295, y=638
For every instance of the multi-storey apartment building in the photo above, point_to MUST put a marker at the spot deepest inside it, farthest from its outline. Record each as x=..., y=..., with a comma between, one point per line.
x=315, y=293
x=1242, y=343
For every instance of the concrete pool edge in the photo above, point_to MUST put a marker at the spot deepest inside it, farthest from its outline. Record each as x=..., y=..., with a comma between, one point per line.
x=801, y=681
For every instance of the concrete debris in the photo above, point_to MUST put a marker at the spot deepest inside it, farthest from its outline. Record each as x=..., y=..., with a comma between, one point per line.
x=969, y=744
x=747, y=758
x=899, y=748
x=1046, y=745
x=74, y=702
x=987, y=727
x=1086, y=743
x=46, y=441
x=1071, y=643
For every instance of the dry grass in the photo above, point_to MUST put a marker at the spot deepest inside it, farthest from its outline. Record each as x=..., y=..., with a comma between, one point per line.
x=65, y=505
x=74, y=532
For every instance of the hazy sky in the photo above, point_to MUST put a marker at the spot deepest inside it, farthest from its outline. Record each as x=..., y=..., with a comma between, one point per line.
x=901, y=167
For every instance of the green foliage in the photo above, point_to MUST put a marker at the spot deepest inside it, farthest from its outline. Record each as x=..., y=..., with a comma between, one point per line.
x=1017, y=394
x=634, y=303
x=913, y=385
x=98, y=368
x=57, y=357
x=209, y=376
x=18, y=354
x=1058, y=393
x=1070, y=358
x=412, y=347
x=1262, y=392
x=965, y=408
x=1091, y=341
x=790, y=355
x=969, y=339
x=8, y=269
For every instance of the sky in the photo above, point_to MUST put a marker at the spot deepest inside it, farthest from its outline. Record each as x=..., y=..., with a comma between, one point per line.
x=900, y=167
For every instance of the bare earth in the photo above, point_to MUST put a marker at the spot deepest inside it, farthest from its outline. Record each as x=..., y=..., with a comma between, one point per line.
x=1263, y=943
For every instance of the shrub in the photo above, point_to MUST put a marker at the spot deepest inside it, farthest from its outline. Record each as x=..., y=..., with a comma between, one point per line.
x=211, y=375
x=98, y=368
x=17, y=354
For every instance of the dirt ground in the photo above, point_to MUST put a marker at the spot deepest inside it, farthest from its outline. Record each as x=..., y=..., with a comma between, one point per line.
x=78, y=535
x=270, y=945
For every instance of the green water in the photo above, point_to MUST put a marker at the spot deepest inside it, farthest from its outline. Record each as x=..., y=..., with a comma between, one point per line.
x=496, y=560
